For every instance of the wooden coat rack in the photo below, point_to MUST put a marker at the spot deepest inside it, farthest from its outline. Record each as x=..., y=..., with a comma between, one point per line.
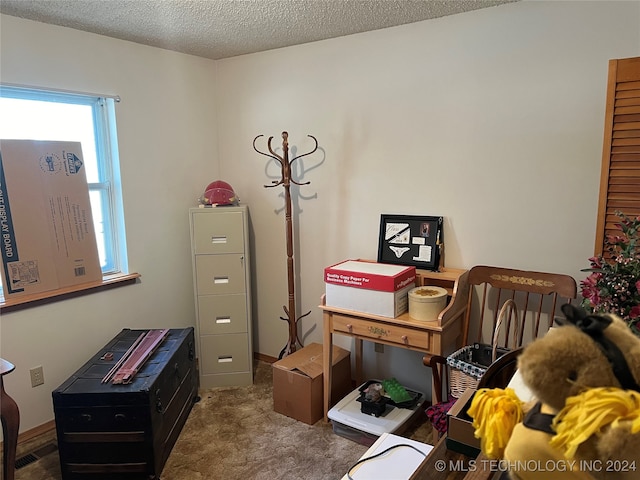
x=286, y=181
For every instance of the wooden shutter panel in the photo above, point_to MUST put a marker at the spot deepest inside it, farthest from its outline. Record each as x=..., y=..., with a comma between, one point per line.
x=620, y=175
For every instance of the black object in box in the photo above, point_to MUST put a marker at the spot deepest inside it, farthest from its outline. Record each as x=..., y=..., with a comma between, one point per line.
x=379, y=407
x=460, y=437
x=482, y=354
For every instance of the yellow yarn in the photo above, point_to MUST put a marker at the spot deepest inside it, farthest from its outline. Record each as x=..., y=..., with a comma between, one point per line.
x=495, y=412
x=589, y=412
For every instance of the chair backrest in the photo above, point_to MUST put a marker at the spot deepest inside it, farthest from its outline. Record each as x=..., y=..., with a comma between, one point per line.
x=538, y=296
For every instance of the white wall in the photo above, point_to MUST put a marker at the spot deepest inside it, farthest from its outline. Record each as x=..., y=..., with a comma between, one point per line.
x=492, y=119
x=167, y=135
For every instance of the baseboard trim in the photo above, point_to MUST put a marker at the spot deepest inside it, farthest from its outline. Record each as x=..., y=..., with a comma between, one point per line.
x=264, y=358
x=36, y=431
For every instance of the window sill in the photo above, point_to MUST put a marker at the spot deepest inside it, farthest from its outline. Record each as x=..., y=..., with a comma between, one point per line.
x=110, y=281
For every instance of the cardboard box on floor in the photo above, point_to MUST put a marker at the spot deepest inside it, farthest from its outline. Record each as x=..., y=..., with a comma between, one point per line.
x=298, y=382
x=48, y=237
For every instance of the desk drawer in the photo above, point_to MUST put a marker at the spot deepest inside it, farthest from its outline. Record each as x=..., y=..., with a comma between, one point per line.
x=402, y=336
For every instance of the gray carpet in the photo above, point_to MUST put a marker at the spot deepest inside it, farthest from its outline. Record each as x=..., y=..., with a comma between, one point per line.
x=233, y=433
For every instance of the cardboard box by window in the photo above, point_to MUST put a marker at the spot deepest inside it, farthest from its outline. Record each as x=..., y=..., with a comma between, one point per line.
x=298, y=382
x=46, y=225
x=460, y=437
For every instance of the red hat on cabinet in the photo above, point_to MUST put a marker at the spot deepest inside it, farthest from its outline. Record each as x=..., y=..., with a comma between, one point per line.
x=219, y=193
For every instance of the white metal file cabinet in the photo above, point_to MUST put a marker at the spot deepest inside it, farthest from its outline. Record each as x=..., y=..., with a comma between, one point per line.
x=222, y=281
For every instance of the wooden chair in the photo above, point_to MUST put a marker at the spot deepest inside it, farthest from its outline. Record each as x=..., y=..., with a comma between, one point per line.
x=538, y=296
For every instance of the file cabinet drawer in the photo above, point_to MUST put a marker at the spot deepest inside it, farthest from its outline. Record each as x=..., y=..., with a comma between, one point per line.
x=220, y=274
x=225, y=353
x=222, y=314
x=221, y=233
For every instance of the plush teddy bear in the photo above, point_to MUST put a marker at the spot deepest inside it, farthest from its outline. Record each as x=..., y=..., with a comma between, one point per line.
x=584, y=422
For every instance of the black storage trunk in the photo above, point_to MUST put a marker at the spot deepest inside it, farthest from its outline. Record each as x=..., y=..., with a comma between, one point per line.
x=126, y=432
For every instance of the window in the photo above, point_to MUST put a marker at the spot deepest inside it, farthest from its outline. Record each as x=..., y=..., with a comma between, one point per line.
x=34, y=114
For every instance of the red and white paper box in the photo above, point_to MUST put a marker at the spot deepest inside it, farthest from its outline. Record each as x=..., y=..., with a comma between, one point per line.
x=369, y=287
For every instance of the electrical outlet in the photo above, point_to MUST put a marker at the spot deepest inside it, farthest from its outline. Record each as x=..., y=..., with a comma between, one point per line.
x=378, y=347
x=37, y=376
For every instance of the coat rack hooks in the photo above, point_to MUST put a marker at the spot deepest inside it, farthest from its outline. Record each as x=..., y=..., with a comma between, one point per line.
x=286, y=181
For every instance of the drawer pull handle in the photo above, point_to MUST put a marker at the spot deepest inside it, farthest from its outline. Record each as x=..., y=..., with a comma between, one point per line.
x=223, y=320
x=159, y=406
x=85, y=417
x=350, y=328
x=220, y=280
x=405, y=339
x=217, y=240
x=120, y=417
x=225, y=359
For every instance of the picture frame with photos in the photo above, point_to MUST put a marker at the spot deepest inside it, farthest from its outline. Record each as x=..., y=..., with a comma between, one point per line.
x=412, y=240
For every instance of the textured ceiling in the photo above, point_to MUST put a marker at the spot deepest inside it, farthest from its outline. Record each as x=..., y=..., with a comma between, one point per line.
x=225, y=28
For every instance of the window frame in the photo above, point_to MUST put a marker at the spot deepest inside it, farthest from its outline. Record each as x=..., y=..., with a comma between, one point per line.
x=108, y=188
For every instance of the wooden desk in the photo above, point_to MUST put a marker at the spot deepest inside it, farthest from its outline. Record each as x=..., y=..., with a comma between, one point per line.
x=438, y=337
x=10, y=424
x=445, y=464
